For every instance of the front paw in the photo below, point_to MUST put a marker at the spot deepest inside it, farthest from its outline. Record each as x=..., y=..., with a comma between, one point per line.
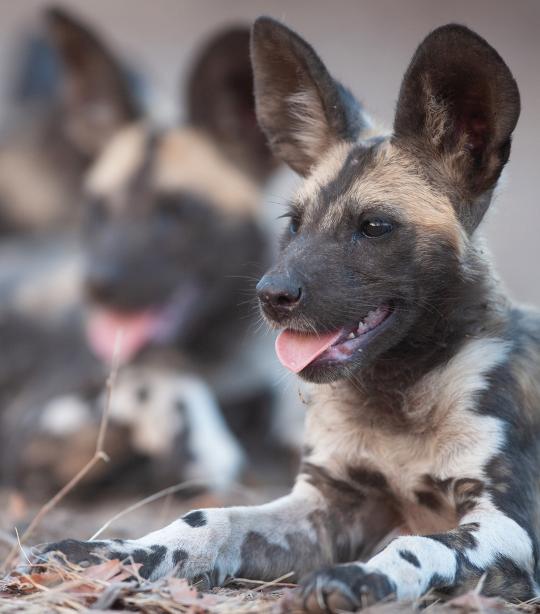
x=81, y=553
x=344, y=588
x=86, y=553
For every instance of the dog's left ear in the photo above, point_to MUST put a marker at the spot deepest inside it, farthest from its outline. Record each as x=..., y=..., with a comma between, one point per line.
x=220, y=101
x=95, y=95
x=301, y=108
x=459, y=104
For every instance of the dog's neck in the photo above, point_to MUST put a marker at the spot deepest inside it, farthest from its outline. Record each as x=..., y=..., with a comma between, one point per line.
x=471, y=307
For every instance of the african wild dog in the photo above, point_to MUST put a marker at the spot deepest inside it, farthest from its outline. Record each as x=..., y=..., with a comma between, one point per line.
x=171, y=236
x=425, y=417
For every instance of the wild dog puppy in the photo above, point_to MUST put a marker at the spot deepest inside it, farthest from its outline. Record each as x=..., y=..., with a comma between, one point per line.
x=425, y=417
x=172, y=242
x=54, y=132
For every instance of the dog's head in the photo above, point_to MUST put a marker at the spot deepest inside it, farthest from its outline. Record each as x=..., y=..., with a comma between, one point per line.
x=171, y=230
x=379, y=246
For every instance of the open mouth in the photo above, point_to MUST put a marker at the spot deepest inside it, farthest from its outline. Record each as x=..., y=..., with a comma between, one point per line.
x=155, y=325
x=296, y=350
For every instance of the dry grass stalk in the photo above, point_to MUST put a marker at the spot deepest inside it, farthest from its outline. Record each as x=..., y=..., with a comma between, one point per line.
x=170, y=490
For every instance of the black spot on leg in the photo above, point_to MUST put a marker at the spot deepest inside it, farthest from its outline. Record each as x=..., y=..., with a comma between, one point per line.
x=149, y=560
x=459, y=539
x=330, y=486
x=179, y=557
x=195, y=519
x=408, y=556
x=428, y=499
x=439, y=581
x=368, y=478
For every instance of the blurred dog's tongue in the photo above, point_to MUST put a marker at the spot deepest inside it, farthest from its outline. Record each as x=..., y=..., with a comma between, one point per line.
x=137, y=330
x=296, y=350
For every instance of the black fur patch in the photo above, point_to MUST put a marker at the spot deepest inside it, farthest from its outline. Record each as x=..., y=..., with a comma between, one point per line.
x=459, y=539
x=408, y=556
x=327, y=484
x=428, y=499
x=368, y=478
x=179, y=557
x=195, y=519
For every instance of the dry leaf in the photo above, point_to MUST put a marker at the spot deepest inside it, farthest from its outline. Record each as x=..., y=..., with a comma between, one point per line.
x=184, y=594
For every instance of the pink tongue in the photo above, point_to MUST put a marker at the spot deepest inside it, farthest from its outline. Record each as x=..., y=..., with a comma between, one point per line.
x=296, y=350
x=136, y=329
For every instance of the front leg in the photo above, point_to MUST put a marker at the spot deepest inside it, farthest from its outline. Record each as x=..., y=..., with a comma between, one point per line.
x=293, y=534
x=487, y=548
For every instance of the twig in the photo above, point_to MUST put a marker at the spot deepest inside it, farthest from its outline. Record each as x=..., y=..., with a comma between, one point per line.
x=99, y=455
x=264, y=584
x=170, y=490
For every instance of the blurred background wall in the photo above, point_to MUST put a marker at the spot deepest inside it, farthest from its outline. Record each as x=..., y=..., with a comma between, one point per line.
x=367, y=44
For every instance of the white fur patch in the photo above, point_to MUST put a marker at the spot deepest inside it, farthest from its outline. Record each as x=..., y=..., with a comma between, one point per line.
x=498, y=535
x=64, y=416
x=119, y=161
x=411, y=581
x=148, y=400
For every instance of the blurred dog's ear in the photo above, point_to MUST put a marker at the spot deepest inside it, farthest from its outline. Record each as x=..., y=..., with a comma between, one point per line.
x=220, y=101
x=459, y=104
x=95, y=91
x=301, y=108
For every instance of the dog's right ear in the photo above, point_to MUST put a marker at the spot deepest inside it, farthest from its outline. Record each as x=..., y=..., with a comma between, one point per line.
x=301, y=108
x=95, y=94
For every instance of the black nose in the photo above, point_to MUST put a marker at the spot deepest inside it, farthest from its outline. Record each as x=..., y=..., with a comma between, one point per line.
x=279, y=293
x=102, y=282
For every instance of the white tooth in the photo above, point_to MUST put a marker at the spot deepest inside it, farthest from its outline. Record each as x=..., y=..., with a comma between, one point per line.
x=351, y=336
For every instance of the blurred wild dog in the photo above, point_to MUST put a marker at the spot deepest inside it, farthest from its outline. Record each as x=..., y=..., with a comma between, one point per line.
x=425, y=417
x=172, y=243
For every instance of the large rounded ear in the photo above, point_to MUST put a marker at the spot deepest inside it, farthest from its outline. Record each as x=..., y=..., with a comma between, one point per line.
x=301, y=108
x=459, y=104
x=95, y=91
x=220, y=101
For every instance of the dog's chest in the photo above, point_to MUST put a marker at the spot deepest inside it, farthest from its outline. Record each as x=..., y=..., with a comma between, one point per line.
x=425, y=470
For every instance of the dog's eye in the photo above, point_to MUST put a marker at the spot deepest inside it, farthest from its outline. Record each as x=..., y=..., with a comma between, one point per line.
x=294, y=225
x=294, y=221
x=375, y=228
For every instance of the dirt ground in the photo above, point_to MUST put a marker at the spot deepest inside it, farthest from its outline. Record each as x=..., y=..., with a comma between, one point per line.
x=111, y=586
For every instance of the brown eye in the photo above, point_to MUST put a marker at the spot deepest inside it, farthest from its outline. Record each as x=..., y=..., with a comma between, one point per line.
x=375, y=228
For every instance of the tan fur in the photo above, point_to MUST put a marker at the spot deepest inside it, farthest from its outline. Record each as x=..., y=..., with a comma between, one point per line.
x=119, y=161
x=187, y=160
x=446, y=439
x=395, y=181
x=325, y=170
